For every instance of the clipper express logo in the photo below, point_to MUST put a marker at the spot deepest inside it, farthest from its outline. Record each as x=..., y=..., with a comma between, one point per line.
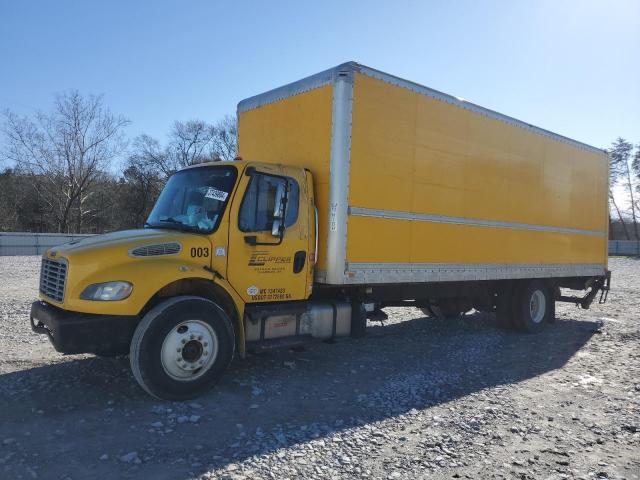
x=259, y=259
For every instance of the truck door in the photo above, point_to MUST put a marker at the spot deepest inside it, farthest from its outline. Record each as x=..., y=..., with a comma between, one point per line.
x=268, y=263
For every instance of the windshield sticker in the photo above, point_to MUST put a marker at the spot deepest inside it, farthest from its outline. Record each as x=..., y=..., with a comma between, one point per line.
x=216, y=194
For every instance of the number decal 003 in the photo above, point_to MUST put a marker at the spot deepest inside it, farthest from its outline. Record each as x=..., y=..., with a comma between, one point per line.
x=199, y=251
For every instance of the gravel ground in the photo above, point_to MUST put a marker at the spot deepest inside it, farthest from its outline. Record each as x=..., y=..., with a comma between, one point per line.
x=416, y=398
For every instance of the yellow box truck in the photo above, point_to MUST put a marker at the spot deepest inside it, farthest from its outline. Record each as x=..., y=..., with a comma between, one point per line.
x=354, y=190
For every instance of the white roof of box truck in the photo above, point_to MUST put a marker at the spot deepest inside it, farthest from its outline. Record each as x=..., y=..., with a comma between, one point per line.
x=327, y=76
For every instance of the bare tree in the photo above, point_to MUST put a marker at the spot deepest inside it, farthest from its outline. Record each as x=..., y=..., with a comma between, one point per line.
x=612, y=199
x=11, y=196
x=622, y=173
x=191, y=142
x=65, y=150
x=149, y=156
x=225, y=141
x=61, y=178
x=614, y=175
x=142, y=184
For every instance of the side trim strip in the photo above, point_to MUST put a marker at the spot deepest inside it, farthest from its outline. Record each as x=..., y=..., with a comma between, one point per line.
x=364, y=273
x=424, y=217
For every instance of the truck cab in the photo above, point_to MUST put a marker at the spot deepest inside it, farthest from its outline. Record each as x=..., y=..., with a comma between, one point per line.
x=222, y=235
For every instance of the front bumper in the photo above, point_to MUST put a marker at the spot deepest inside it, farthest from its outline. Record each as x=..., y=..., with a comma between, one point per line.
x=75, y=332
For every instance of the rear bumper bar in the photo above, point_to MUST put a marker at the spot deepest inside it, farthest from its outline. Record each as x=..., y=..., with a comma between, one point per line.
x=75, y=332
x=598, y=284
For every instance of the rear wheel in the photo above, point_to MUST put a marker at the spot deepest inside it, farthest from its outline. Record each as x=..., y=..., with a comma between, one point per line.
x=504, y=310
x=533, y=306
x=447, y=308
x=181, y=348
x=427, y=311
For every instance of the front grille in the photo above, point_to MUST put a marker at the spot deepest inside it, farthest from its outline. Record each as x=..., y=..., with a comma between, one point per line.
x=53, y=276
x=158, y=249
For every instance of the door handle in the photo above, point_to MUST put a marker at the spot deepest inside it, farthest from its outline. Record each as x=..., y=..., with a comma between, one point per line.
x=253, y=241
x=298, y=261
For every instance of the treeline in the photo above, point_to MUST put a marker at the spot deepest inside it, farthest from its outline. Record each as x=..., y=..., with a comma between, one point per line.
x=73, y=169
x=624, y=181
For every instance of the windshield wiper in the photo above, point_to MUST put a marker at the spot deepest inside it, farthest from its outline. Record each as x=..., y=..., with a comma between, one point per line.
x=171, y=220
x=181, y=226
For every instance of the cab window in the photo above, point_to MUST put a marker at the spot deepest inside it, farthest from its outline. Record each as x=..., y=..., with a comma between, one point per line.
x=256, y=212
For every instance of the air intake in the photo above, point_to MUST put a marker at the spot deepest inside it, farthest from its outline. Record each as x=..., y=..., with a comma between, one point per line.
x=157, y=249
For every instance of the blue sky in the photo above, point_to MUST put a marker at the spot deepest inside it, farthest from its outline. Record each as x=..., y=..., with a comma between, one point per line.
x=571, y=66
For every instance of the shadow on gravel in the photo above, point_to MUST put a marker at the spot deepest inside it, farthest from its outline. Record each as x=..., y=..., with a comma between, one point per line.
x=267, y=401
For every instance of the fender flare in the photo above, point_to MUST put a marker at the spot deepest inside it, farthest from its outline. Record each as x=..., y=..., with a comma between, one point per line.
x=217, y=290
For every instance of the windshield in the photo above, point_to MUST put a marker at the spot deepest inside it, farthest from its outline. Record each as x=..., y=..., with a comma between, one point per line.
x=194, y=199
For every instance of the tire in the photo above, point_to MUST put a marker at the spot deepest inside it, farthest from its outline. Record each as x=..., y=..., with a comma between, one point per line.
x=427, y=312
x=555, y=293
x=442, y=312
x=446, y=312
x=504, y=307
x=358, y=320
x=181, y=348
x=533, y=306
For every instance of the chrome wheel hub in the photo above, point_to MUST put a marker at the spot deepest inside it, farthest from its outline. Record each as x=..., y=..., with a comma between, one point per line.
x=189, y=350
x=537, y=306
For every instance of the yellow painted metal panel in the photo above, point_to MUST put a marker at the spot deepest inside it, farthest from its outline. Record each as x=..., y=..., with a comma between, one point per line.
x=400, y=241
x=413, y=153
x=382, y=147
x=293, y=131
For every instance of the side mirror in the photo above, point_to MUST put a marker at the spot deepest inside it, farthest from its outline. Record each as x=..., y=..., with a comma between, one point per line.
x=277, y=229
x=279, y=209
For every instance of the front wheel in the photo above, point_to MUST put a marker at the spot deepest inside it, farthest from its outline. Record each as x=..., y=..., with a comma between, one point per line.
x=181, y=348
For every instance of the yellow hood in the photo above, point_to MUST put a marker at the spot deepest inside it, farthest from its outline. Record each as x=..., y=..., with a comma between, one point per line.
x=147, y=258
x=127, y=239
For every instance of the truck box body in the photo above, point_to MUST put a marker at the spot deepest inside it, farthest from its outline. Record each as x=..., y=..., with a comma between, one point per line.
x=413, y=185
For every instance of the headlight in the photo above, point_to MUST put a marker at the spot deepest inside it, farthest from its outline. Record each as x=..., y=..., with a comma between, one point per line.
x=108, y=291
